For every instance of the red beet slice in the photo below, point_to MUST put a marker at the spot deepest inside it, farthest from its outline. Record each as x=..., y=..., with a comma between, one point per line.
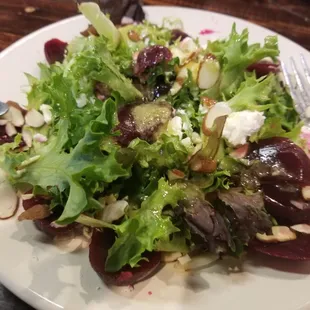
x=55, y=50
x=298, y=249
x=45, y=225
x=98, y=252
x=150, y=57
x=286, y=204
x=292, y=161
x=263, y=68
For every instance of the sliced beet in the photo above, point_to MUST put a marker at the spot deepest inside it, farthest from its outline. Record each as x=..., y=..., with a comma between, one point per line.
x=45, y=225
x=298, y=249
x=287, y=161
x=263, y=68
x=177, y=34
x=150, y=57
x=286, y=204
x=98, y=252
x=55, y=50
x=283, y=170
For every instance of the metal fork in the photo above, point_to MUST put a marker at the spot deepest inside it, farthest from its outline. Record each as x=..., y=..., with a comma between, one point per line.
x=299, y=86
x=3, y=108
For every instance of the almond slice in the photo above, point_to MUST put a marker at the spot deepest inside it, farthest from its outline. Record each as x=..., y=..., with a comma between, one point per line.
x=27, y=136
x=7, y=116
x=10, y=129
x=305, y=191
x=283, y=233
x=35, y=119
x=9, y=201
x=219, y=109
x=279, y=234
x=240, y=152
x=301, y=228
x=47, y=113
x=266, y=238
x=17, y=117
x=39, y=138
x=3, y=122
x=209, y=73
x=175, y=174
x=37, y=212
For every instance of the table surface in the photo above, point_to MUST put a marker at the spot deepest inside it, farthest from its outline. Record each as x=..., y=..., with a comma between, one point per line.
x=21, y=17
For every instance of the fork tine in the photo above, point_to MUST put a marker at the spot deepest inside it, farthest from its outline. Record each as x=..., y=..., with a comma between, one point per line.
x=293, y=93
x=306, y=68
x=302, y=90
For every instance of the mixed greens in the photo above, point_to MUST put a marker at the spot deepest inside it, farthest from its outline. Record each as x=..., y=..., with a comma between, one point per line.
x=167, y=143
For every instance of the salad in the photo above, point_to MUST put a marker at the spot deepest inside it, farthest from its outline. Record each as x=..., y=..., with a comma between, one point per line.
x=147, y=148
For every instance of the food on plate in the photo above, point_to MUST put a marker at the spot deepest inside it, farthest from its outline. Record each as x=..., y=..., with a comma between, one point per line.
x=149, y=148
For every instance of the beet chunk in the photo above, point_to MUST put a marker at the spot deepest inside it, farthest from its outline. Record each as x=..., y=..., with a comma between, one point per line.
x=45, y=225
x=98, y=252
x=178, y=34
x=263, y=68
x=150, y=57
x=298, y=249
x=55, y=50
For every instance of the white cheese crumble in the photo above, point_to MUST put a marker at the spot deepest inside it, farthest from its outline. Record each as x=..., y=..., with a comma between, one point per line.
x=81, y=101
x=174, y=127
x=241, y=125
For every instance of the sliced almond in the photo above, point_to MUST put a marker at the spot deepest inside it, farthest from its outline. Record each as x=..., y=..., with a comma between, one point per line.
x=10, y=129
x=3, y=122
x=17, y=117
x=301, y=228
x=9, y=200
x=15, y=105
x=39, y=138
x=26, y=196
x=47, y=113
x=279, y=234
x=266, y=238
x=27, y=136
x=283, y=233
x=305, y=191
x=200, y=164
x=169, y=257
x=209, y=73
x=219, y=109
x=240, y=152
x=7, y=116
x=67, y=244
x=175, y=174
x=35, y=119
x=37, y=212
x=298, y=204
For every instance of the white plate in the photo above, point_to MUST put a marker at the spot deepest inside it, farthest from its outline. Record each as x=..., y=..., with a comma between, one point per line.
x=39, y=274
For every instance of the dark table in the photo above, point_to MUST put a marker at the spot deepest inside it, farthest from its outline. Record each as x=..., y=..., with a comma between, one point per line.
x=20, y=17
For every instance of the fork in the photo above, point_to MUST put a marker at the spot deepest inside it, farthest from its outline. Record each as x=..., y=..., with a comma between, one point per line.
x=299, y=86
x=3, y=108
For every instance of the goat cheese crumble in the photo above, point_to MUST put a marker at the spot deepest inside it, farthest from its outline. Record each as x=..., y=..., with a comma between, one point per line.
x=241, y=125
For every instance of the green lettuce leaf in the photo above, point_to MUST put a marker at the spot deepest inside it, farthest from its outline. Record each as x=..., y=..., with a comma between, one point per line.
x=142, y=231
x=55, y=167
x=102, y=24
x=167, y=151
x=235, y=55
